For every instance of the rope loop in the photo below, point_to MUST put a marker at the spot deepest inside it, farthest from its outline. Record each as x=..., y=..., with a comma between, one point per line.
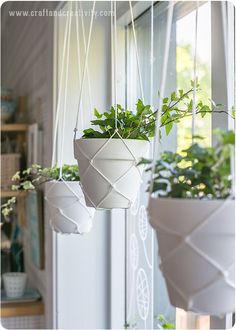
x=162, y=89
x=136, y=50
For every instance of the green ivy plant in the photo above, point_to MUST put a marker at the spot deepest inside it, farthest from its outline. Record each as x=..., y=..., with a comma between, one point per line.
x=36, y=175
x=197, y=172
x=141, y=124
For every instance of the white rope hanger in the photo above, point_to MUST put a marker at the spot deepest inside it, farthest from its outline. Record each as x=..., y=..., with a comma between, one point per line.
x=77, y=197
x=225, y=34
x=78, y=52
x=84, y=68
x=151, y=53
x=113, y=51
x=115, y=62
x=61, y=154
x=195, y=74
x=87, y=68
x=113, y=185
x=162, y=90
x=136, y=51
x=151, y=103
x=59, y=94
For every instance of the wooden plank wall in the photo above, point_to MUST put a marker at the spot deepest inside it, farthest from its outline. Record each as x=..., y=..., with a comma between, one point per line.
x=27, y=68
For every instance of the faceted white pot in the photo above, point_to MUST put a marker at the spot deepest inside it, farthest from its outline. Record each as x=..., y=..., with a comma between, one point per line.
x=14, y=284
x=196, y=242
x=108, y=172
x=68, y=211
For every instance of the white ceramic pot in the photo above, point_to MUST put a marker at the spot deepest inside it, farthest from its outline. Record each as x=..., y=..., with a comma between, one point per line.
x=68, y=211
x=14, y=284
x=108, y=171
x=196, y=242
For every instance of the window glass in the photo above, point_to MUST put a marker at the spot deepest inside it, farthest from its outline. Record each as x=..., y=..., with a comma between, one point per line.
x=185, y=39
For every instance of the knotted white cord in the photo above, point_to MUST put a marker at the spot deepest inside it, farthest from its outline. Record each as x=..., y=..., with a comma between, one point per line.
x=115, y=64
x=65, y=98
x=151, y=56
x=78, y=53
x=151, y=103
x=87, y=68
x=224, y=25
x=63, y=211
x=112, y=57
x=136, y=51
x=162, y=90
x=59, y=95
x=225, y=35
x=195, y=74
x=84, y=68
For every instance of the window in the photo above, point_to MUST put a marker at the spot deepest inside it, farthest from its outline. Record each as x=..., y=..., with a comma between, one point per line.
x=146, y=295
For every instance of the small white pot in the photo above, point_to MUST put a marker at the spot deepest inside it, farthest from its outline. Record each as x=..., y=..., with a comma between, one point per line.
x=68, y=211
x=196, y=240
x=108, y=171
x=14, y=284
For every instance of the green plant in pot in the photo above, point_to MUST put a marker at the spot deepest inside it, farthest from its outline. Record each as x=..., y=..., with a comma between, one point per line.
x=192, y=210
x=68, y=212
x=14, y=277
x=107, y=155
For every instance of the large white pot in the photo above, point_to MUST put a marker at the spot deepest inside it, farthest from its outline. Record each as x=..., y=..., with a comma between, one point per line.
x=108, y=171
x=196, y=242
x=68, y=211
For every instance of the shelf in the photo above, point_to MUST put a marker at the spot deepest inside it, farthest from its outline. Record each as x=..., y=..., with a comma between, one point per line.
x=14, y=127
x=12, y=193
x=22, y=309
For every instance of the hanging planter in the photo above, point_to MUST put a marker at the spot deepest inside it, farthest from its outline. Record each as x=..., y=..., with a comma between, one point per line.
x=196, y=237
x=196, y=242
x=108, y=157
x=68, y=212
x=109, y=174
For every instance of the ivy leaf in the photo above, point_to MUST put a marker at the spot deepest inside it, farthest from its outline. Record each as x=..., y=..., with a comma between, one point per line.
x=97, y=114
x=167, y=325
x=173, y=96
x=27, y=185
x=140, y=106
x=144, y=161
x=165, y=100
x=168, y=127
